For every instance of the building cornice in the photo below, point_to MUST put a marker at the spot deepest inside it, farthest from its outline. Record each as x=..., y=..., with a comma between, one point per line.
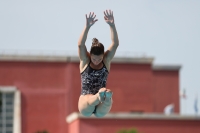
x=121, y=60
x=74, y=116
x=45, y=58
x=34, y=58
x=166, y=67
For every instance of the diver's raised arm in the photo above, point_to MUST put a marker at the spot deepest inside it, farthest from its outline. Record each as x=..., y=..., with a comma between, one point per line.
x=90, y=20
x=109, y=18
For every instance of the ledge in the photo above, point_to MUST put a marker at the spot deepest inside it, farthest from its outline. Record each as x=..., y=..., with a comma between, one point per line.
x=74, y=116
x=129, y=60
x=137, y=60
x=34, y=58
x=7, y=89
x=45, y=58
x=166, y=67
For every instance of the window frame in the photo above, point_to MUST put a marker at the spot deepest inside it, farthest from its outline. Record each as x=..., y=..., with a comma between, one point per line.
x=16, y=128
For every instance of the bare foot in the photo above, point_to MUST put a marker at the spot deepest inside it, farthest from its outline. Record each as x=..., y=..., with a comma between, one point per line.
x=102, y=94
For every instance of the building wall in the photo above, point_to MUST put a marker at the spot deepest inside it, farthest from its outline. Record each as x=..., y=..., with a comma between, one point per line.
x=132, y=86
x=166, y=84
x=45, y=93
x=50, y=90
x=142, y=125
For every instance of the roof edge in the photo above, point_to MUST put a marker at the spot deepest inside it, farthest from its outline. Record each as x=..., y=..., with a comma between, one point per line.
x=166, y=67
x=46, y=58
x=34, y=58
x=154, y=116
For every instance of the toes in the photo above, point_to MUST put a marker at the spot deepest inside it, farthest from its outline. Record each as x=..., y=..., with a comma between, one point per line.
x=102, y=90
x=104, y=93
x=108, y=90
x=101, y=96
x=109, y=94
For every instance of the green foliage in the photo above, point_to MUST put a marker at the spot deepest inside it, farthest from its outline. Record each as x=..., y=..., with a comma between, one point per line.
x=42, y=131
x=132, y=130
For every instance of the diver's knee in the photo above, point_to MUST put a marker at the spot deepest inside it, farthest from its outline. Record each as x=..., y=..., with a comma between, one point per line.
x=85, y=112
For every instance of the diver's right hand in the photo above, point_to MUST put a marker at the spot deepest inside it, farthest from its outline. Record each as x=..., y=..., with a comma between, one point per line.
x=90, y=20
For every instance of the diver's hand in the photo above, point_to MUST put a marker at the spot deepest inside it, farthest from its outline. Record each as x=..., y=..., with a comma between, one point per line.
x=90, y=20
x=109, y=18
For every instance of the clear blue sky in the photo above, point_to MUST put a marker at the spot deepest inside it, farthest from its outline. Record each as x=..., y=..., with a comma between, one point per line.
x=168, y=30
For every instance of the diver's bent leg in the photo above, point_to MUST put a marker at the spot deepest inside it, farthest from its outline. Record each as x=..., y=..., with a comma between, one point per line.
x=88, y=102
x=104, y=108
x=97, y=98
x=93, y=100
x=84, y=107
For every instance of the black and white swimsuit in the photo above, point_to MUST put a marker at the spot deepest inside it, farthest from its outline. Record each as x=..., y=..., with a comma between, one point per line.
x=92, y=80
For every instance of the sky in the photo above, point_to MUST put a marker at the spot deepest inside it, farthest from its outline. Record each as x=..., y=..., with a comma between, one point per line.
x=167, y=30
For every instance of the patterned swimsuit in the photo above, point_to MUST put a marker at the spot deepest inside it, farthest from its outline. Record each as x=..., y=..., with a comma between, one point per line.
x=92, y=80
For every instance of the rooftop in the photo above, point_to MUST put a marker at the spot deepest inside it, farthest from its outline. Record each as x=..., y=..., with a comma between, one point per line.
x=69, y=58
x=74, y=116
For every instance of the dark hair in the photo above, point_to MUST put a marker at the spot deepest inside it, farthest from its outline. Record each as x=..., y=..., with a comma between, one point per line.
x=97, y=48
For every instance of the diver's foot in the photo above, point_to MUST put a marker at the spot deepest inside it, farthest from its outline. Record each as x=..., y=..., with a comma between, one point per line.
x=101, y=95
x=109, y=93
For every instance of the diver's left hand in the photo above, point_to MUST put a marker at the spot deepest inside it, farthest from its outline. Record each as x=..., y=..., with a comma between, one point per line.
x=109, y=18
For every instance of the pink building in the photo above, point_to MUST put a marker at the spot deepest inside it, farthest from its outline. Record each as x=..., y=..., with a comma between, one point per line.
x=41, y=93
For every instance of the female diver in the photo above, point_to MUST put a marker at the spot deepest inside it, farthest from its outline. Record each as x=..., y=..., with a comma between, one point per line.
x=95, y=98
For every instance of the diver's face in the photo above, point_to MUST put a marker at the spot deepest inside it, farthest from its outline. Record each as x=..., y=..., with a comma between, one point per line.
x=96, y=59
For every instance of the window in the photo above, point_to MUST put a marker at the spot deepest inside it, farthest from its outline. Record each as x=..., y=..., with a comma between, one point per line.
x=10, y=118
